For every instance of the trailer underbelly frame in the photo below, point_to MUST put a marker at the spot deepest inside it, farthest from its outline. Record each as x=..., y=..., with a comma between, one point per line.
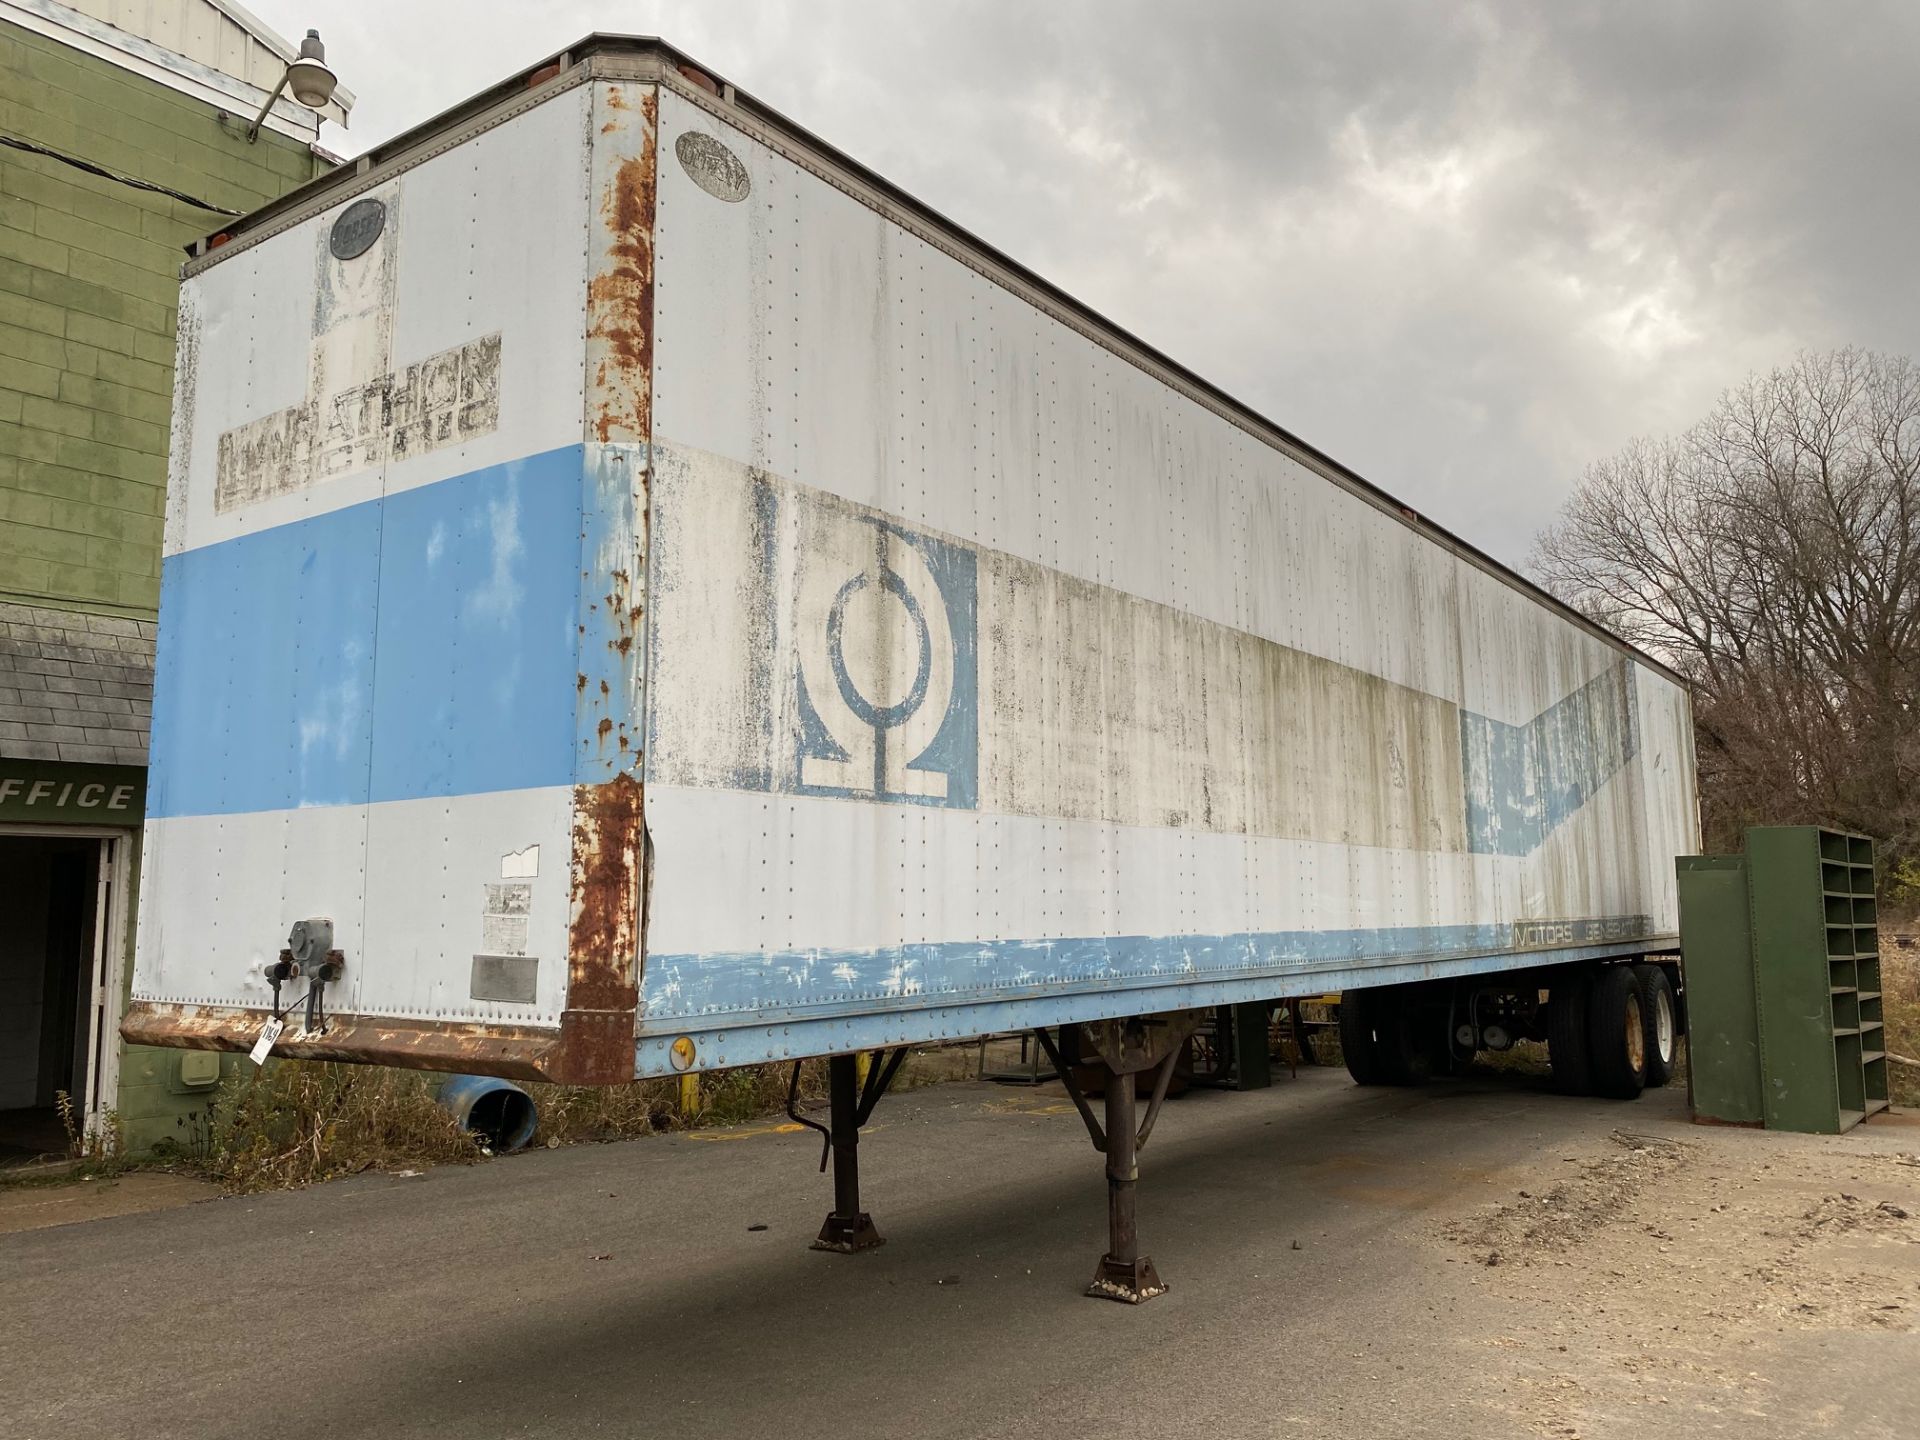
x=874, y=1025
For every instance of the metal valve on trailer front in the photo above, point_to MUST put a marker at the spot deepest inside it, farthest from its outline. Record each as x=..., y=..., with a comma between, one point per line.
x=309, y=956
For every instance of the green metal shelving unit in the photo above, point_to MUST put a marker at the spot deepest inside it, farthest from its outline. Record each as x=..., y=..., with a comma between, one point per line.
x=1783, y=1001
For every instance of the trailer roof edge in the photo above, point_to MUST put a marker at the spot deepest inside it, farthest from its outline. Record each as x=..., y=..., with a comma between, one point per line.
x=567, y=68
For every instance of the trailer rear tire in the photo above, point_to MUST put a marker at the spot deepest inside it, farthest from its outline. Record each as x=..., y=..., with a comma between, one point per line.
x=1427, y=1025
x=1390, y=1038
x=1662, y=1021
x=1617, y=1026
x=1569, y=1050
x=1361, y=1019
x=1410, y=1039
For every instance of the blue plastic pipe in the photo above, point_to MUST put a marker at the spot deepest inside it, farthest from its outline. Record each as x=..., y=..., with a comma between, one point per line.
x=498, y=1111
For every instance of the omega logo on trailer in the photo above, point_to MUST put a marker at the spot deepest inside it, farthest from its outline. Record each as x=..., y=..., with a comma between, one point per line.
x=887, y=672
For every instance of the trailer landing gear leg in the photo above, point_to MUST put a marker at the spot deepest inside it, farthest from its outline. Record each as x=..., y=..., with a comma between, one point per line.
x=848, y=1228
x=1124, y=1273
x=1125, y=1048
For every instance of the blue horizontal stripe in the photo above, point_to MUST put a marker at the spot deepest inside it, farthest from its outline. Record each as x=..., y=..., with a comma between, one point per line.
x=418, y=645
x=778, y=983
x=756, y=1039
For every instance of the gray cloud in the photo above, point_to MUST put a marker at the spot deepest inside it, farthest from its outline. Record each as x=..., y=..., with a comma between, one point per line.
x=1464, y=248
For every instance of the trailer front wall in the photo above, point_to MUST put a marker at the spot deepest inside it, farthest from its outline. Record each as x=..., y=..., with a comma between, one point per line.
x=397, y=680
x=992, y=680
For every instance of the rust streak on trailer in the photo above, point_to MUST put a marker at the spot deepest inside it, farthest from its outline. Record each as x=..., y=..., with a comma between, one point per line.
x=605, y=899
x=512, y=1052
x=620, y=294
x=603, y=935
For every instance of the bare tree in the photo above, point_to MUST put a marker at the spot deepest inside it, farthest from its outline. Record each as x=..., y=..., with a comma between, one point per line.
x=1772, y=555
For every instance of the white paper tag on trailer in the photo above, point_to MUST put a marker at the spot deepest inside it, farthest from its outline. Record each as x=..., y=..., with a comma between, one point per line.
x=263, y=1047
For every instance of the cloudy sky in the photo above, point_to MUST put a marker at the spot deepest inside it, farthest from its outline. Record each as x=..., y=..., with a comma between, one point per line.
x=1465, y=248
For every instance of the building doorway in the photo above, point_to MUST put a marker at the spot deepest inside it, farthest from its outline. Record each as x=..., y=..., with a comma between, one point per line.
x=61, y=946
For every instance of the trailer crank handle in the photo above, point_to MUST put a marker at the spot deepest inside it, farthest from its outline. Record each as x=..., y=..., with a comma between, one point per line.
x=793, y=1113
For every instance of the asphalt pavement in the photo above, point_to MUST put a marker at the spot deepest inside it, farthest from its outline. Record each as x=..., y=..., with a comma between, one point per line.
x=1328, y=1250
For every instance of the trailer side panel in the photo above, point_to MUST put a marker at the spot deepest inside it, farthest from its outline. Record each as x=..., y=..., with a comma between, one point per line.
x=994, y=679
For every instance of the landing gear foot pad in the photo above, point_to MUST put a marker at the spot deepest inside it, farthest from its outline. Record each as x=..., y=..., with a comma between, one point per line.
x=847, y=1234
x=1131, y=1282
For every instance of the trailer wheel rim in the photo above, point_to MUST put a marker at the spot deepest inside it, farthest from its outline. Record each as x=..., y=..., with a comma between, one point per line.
x=1663, y=1025
x=1636, y=1035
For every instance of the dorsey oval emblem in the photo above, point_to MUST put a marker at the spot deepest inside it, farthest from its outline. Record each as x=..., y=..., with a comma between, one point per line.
x=713, y=167
x=358, y=226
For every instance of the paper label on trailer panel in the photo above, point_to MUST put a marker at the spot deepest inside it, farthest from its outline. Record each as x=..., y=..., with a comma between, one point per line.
x=505, y=921
x=509, y=899
x=263, y=1047
x=504, y=934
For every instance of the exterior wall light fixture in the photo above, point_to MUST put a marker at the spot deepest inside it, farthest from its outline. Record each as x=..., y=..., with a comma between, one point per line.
x=307, y=76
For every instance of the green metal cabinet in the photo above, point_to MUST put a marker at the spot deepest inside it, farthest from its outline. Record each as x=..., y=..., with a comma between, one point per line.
x=1782, y=962
x=1723, y=1020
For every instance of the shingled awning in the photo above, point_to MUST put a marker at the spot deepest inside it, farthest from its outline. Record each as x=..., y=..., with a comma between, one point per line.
x=73, y=687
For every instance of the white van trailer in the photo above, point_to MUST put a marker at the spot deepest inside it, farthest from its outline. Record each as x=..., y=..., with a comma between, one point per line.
x=641, y=594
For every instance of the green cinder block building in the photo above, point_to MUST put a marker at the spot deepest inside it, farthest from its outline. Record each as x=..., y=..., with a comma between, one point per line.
x=124, y=135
